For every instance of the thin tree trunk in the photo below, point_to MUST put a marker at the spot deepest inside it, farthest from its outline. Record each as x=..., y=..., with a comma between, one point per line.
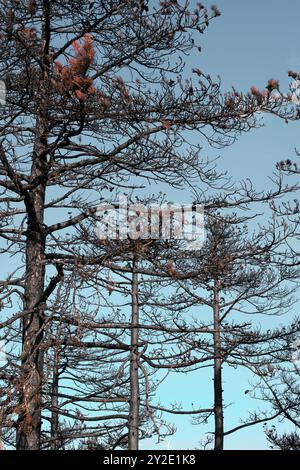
x=133, y=423
x=218, y=392
x=54, y=403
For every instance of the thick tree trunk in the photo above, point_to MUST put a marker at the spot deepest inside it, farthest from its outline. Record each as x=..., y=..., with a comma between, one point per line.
x=133, y=422
x=29, y=422
x=218, y=392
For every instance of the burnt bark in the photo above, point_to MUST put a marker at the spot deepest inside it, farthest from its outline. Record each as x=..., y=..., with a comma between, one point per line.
x=218, y=392
x=29, y=421
x=133, y=422
x=54, y=403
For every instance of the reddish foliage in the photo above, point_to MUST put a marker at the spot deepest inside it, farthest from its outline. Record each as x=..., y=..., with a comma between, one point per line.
x=272, y=85
x=73, y=77
x=259, y=95
x=255, y=91
x=166, y=124
x=28, y=33
x=171, y=267
x=32, y=6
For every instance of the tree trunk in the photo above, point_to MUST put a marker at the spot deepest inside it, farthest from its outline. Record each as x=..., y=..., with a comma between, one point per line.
x=55, y=444
x=133, y=423
x=29, y=422
x=218, y=392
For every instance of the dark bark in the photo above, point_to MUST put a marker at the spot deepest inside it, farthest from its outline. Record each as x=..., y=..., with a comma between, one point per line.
x=54, y=403
x=218, y=392
x=29, y=422
x=133, y=422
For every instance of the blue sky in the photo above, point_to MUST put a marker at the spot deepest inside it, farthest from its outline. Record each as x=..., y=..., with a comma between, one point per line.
x=250, y=43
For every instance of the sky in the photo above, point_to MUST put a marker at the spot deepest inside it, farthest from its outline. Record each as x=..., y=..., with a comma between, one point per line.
x=247, y=45
x=250, y=43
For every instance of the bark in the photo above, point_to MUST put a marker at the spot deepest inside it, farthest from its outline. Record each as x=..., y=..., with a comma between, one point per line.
x=54, y=403
x=29, y=422
x=218, y=392
x=28, y=431
x=133, y=422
